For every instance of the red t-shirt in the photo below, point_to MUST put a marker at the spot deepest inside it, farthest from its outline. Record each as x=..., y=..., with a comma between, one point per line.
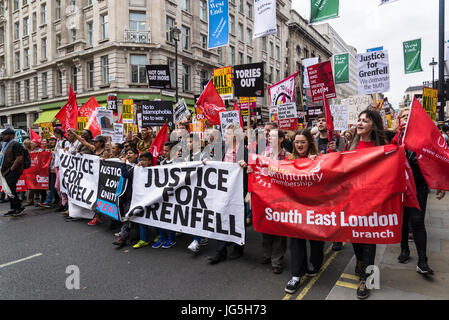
x=364, y=145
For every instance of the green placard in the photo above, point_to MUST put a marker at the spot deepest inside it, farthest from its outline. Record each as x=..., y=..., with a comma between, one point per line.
x=321, y=10
x=341, y=68
x=412, y=56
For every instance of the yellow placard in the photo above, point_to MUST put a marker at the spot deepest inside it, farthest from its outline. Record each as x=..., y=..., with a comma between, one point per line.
x=222, y=80
x=128, y=111
x=82, y=122
x=47, y=129
x=429, y=102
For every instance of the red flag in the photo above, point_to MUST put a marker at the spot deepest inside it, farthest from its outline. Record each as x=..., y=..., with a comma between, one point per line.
x=423, y=137
x=34, y=136
x=329, y=121
x=211, y=104
x=68, y=115
x=88, y=108
x=93, y=125
x=157, y=147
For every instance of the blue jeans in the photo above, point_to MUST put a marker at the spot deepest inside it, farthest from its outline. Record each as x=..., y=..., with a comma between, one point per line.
x=51, y=187
x=143, y=229
x=165, y=235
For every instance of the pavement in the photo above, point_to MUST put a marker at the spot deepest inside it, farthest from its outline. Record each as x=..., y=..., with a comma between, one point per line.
x=401, y=281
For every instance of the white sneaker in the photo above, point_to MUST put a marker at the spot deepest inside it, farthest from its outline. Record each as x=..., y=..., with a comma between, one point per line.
x=194, y=246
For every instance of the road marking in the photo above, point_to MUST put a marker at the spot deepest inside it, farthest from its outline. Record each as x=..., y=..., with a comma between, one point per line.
x=350, y=276
x=20, y=260
x=315, y=279
x=347, y=285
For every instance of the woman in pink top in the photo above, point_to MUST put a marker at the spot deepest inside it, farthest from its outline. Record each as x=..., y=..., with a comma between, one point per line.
x=369, y=133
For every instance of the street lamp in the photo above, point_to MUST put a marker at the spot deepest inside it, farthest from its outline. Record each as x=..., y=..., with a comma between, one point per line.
x=175, y=32
x=433, y=64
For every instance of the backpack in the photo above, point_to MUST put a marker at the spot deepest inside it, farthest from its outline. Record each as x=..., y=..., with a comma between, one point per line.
x=26, y=158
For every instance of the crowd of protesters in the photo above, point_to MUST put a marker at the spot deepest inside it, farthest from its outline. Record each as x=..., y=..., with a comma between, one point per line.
x=276, y=144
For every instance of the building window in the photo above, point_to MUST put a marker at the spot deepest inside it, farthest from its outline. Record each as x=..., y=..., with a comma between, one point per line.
x=43, y=13
x=186, y=5
x=2, y=94
x=72, y=6
x=271, y=50
x=203, y=10
x=90, y=32
x=249, y=59
x=171, y=67
x=203, y=39
x=16, y=5
x=25, y=26
x=58, y=9
x=27, y=89
x=16, y=30
x=170, y=23
x=35, y=54
x=26, y=57
x=278, y=53
x=18, y=95
x=240, y=60
x=231, y=55
x=59, y=82
x=249, y=36
x=36, y=83
x=185, y=38
x=264, y=44
x=44, y=85
x=58, y=40
x=2, y=35
x=203, y=77
x=34, y=21
x=17, y=61
x=105, y=69
x=220, y=55
x=241, y=6
x=137, y=21
x=104, y=26
x=185, y=78
x=270, y=76
x=240, y=32
x=73, y=33
x=249, y=10
x=138, y=68
x=232, y=24
x=44, y=49
x=90, y=75
x=74, y=78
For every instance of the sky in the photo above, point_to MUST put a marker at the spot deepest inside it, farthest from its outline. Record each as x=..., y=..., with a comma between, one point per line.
x=364, y=24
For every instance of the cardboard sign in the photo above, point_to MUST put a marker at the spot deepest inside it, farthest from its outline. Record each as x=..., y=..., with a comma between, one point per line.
x=429, y=102
x=128, y=111
x=222, y=80
x=373, y=72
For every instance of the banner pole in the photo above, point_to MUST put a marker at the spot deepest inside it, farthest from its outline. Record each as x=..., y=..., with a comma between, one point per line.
x=249, y=124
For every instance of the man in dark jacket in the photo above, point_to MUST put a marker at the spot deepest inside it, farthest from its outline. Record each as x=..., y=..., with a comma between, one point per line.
x=12, y=165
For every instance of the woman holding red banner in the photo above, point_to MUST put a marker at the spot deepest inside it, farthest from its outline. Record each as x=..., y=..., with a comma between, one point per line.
x=303, y=147
x=415, y=216
x=369, y=133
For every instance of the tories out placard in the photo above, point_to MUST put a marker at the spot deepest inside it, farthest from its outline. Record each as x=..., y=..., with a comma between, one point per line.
x=249, y=80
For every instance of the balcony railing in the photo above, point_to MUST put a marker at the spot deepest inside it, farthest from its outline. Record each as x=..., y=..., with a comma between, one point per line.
x=137, y=36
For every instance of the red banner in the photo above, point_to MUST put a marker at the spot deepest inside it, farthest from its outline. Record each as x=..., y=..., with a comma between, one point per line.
x=423, y=137
x=352, y=196
x=36, y=176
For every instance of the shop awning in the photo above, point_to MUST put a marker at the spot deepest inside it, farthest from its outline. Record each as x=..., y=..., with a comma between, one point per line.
x=47, y=116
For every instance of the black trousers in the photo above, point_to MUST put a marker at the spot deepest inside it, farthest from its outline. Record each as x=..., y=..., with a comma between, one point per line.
x=365, y=254
x=416, y=218
x=298, y=255
x=11, y=179
x=221, y=247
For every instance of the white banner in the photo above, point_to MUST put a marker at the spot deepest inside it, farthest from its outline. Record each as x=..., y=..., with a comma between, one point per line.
x=386, y=2
x=264, y=18
x=204, y=200
x=78, y=176
x=373, y=72
x=356, y=104
x=340, y=115
x=307, y=63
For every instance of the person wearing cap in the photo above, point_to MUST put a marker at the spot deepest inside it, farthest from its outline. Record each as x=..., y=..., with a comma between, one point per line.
x=12, y=165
